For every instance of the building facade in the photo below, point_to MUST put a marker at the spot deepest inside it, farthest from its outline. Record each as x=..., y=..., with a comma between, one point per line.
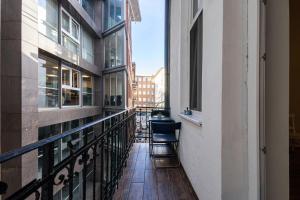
x=66, y=63
x=145, y=93
x=119, y=72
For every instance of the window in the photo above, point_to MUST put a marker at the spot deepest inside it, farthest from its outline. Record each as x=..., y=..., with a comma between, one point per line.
x=195, y=7
x=70, y=79
x=196, y=64
x=114, y=89
x=48, y=18
x=48, y=82
x=88, y=6
x=115, y=49
x=87, y=90
x=113, y=13
x=70, y=32
x=87, y=47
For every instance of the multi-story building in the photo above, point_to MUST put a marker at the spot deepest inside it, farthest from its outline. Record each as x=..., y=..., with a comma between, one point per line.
x=145, y=93
x=118, y=67
x=65, y=61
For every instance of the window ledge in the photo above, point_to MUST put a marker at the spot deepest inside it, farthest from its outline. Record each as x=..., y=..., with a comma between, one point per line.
x=195, y=119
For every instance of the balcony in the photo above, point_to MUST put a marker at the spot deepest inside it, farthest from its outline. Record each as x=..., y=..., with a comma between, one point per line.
x=106, y=164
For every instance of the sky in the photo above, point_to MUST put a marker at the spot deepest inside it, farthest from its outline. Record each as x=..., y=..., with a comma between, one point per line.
x=148, y=37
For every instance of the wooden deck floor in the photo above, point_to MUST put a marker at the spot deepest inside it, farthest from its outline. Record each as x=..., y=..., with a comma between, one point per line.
x=141, y=181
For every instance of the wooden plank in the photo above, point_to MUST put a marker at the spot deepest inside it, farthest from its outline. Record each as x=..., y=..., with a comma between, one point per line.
x=136, y=191
x=150, y=185
x=163, y=184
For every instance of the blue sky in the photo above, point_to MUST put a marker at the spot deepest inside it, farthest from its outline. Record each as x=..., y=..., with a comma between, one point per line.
x=148, y=37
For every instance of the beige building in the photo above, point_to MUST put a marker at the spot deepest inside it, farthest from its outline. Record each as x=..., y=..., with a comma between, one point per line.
x=145, y=93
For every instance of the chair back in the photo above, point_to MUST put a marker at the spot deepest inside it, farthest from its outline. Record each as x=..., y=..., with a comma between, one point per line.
x=165, y=113
x=165, y=127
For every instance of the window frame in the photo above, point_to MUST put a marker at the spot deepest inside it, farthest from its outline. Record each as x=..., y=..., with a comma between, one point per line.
x=69, y=34
x=193, y=23
x=70, y=86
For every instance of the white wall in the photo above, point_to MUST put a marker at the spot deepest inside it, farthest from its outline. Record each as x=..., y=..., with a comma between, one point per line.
x=234, y=102
x=200, y=147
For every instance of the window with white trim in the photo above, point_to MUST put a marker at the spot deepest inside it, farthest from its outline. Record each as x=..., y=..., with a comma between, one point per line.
x=196, y=48
x=70, y=80
x=70, y=29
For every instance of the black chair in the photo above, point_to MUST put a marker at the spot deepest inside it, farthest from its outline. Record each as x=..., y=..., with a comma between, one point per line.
x=163, y=112
x=164, y=133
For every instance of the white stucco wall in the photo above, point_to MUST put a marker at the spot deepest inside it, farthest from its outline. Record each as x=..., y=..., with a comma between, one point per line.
x=200, y=147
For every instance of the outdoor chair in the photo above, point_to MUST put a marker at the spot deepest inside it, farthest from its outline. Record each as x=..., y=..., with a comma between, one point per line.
x=163, y=136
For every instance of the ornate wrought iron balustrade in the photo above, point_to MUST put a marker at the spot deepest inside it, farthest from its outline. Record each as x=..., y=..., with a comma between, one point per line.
x=90, y=170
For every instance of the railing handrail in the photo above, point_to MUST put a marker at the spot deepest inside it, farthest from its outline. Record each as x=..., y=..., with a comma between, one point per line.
x=33, y=146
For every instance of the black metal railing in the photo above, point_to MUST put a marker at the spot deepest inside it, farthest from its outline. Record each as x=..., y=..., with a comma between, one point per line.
x=90, y=171
x=142, y=119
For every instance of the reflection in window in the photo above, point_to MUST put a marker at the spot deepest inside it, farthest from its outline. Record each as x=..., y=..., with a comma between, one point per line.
x=114, y=13
x=70, y=32
x=70, y=87
x=87, y=47
x=88, y=6
x=48, y=82
x=114, y=49
x=87, y=90
x=114, y=89
x=48, y=18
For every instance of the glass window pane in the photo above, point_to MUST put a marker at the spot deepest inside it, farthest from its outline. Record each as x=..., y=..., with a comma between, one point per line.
x=87, y=84
x=48, y=18
x=88, y=6
x=65, y=22
x=70, y=97
x=107, y=90
x=120, y=84
x=107, y=52
x=87, y=91
x=120, y=48
x=119, y=10
x=87, y=47
x=113, y=90
x=48, y=83
x=65, y=76
x=113, y=50
x=112, y=13
x=75, y=30
x=75, y=79
x=70, y=44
